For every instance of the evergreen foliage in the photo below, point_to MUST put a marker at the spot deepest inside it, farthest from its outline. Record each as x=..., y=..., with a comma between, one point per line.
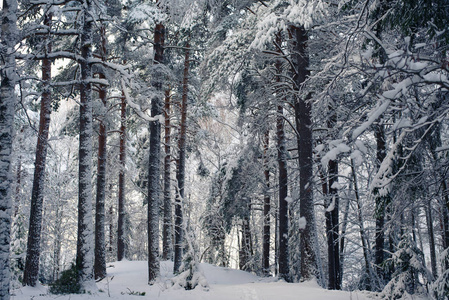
x=68, y=282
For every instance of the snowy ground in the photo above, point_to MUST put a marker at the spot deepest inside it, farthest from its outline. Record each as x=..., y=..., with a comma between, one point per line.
x=127, y=279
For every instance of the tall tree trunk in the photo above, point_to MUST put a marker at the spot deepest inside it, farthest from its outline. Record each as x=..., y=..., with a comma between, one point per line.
x=331, y=214
x=181, y=164
x=84, y=245
x=100, y=250
x=284, y=268
x=332, y=229
x=379, y=246
x=167, y=226
x=284, y=265
x=303, y=117
x=266, y=209
x=31, y=271
x=154, y=165
x=9, y=33
x=121, y=245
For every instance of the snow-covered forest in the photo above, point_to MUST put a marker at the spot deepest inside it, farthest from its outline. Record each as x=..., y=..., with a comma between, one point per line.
x=304, y=142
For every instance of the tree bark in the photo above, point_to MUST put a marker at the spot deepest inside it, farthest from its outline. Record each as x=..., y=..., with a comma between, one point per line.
x=31, y=272
x=379, y=246
x=121, y=245
x=100, y=250
x=332, y=230
x=332, y=215
x=266, y=209
x=154, y=165
x=181, y=164
x=167, y=227
x=284, y=268
x=84, y=246
x=303, y=118
x=9, y=34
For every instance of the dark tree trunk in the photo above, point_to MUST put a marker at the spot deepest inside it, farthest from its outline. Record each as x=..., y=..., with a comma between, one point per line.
x=284, y=268
x=445, y=214
x=167, y=227
x=31, y=272
x=433, y=257
x=266, y=209
x=100, y=250
x=9, y=35
x=332, y=221
x=84, y=246
x=284, y=265
x=181, y=165
x=344, y=226
x=332, y=229
x=379, y=246
x=154, y=165
x=121, y=244
x=303, y=117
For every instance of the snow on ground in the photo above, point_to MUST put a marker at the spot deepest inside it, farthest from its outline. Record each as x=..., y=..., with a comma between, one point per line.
x=128, y=280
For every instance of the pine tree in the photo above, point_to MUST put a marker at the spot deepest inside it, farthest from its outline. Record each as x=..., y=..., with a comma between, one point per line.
x=154, y=162
x=85, y=238
x=37, y=196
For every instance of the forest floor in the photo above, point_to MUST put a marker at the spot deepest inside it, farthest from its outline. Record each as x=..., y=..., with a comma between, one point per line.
x=128, y=280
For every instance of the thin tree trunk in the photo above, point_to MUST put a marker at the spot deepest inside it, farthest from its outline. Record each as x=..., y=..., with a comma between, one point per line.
x=379, y=246
x=167, y=227
x=100, y=251
x=332, y=229
x=331, y=214
x=9, y=33
x=344, y=226
x=121, y=245
x=433, y=260
x=363, y=236
x=284, y=268
x=84, y=246
x=181, y=164
x=30, y=276
x=303, y=117
x=154, y=165
x=284, y=265
x=266, y=209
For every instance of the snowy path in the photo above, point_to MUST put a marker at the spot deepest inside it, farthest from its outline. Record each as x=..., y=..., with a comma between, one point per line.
x=128, y=280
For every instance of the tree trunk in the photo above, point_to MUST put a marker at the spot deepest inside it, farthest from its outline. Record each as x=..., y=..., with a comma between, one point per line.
x=167, y=227
x=343, y=239
x=284, y=268
x=31, y=272
x=246, y=245
x=303, y=118
x=121, y=245
x=154, y=165
x=266, y=209
x=100, y=250
x=332, y=226
x=9, y=33
x=181, y=164
x=84, y=246
x=284, y=265
x=331, y=214
x=379, y=246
